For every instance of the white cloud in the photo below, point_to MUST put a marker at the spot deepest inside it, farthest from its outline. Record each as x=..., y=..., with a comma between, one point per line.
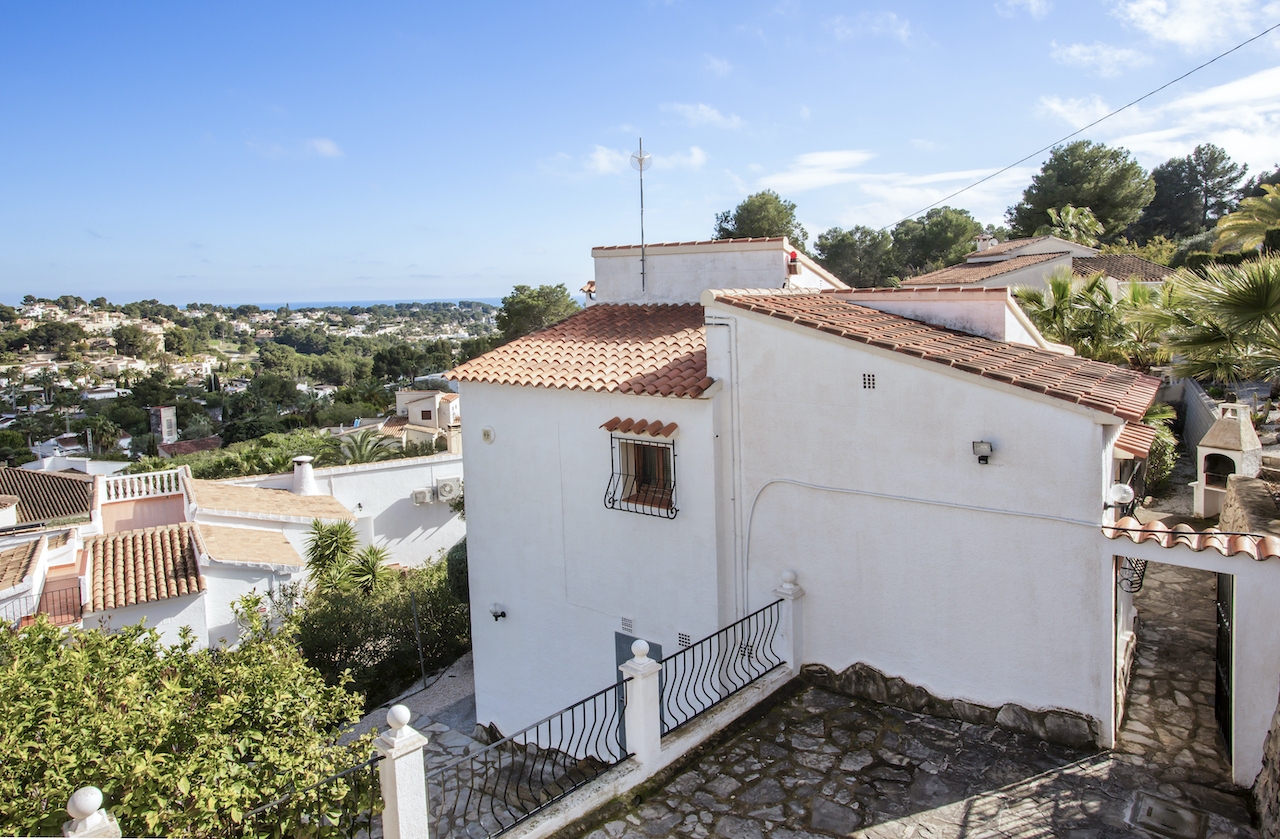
x=884, y=199
x=606, y=161
x=1099, y=58
x=1078, y=112
x=718, y=66
x=702, y=114
x=695, y=158
x=881, y=24
x=1035, y=8
x=1197, y=25
x=818, y=169
x=324, y=147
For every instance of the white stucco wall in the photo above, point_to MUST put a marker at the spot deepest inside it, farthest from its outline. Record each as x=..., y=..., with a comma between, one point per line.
x=1032, y=276
x=166, y=616
x=565, y=568
x=227, y=583
x=414, y=535
x=989, y=314
x=990, y=607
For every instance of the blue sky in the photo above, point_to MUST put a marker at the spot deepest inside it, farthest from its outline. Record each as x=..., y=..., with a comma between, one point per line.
x=249, y=152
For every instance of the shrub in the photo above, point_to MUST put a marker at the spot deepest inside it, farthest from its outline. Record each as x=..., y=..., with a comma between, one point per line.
x=182, y=742
x=371, y=635
x=1161, y=460
x=456, y=562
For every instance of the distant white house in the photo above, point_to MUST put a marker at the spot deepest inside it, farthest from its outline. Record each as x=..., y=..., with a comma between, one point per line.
x=936, y=473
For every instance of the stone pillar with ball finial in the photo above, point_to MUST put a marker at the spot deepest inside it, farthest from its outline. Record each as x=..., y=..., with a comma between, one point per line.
x=643, y=723
x=88, y=819
x=402, y=774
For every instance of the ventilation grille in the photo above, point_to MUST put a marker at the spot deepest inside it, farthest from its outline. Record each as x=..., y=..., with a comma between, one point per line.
x=746, y=650
x=684, y=639
x=868, y=381
x=628, y=625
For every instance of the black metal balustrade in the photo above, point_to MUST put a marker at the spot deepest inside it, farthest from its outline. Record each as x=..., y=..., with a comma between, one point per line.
x=702, y=675
x=491, y=791
x=1130, y=574
x=345, y=804
x=61, y=605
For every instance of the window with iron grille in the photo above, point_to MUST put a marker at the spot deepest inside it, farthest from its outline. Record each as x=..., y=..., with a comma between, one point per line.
x=643, y=478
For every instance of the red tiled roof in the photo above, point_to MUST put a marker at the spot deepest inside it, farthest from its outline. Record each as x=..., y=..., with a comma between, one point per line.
x=142, y=566
x=1252, y=545
x=1136, y=439
x=181, y=447
x=1004, y=247
x=632, y=426
x=46, y=496
x=1121, y=266
x=448, y=397
x=393, y=427
x=15, y=562
x=1093, y=384
x=659, y=350
x=687, y=244
x=589, y=288
x=976, y=272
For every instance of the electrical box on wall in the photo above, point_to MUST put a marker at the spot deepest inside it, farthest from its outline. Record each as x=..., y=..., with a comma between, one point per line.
x=424, y=495
x=448, y=489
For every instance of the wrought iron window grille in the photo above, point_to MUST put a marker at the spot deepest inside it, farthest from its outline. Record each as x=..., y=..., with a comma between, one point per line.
x=643, y=479
x=1130, y=574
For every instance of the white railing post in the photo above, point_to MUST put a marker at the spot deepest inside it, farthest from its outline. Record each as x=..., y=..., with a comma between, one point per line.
x=643, y=713
x=88, y=819
x=402, y=773
x=792, y=621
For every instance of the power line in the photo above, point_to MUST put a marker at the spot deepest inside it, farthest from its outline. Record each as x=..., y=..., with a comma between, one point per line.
x=1086, y=128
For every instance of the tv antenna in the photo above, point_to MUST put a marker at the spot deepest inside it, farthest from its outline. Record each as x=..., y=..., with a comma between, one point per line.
x=641, y=161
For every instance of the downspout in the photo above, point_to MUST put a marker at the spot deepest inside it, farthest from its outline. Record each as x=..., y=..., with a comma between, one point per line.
x=735, y=466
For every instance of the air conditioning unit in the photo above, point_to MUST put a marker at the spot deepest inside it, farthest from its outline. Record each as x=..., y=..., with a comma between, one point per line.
x=448, y=489
x=425, y=495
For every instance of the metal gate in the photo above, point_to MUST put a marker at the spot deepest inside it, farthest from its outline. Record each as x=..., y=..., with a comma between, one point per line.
x=1223, y=659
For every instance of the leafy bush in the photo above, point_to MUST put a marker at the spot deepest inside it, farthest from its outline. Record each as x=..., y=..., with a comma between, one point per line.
x=456, y=562
x=371, y=635
x=182, y=742
x=1161, y=460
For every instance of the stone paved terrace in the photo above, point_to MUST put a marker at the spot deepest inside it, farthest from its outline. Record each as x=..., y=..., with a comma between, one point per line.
x=821, y=765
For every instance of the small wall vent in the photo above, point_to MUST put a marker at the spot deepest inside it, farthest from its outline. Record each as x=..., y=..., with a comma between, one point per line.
x=684, y=639
x=868, y=381
x=628, y=625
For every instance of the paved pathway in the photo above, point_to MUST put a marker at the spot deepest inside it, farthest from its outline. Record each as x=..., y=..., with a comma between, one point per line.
x=825, y=765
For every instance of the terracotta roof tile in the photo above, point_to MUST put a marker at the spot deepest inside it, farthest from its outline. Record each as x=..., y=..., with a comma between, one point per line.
x=245, y=544
x=1253, y=546
x=975, y=272
x=394, y=427
x=1136, y=439
x=1121, y=266
x=659, y=350
x=1123, y=393
x=655, y=428
x=181, y=447
x=15, y=562
x=142, y=566
x=212, y=495
x=46, y=496
x=1005, y=247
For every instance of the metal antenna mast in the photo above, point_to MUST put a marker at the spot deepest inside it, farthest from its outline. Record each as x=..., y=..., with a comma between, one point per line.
x=641, y=161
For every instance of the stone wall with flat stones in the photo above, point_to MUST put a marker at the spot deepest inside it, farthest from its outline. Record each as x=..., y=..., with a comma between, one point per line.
x=1249, y=507
x=863, y=681
x=1266, y=790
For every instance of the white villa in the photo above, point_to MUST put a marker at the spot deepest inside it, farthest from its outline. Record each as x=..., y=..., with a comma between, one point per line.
x=937, y=474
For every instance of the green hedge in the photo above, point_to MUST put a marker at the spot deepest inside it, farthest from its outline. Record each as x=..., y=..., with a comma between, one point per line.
x=459, y=582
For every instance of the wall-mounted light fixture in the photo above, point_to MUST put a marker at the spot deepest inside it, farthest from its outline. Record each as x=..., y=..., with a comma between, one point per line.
x=983, y=450
x=1119, y=495
x=497, y=611
x=359, y=507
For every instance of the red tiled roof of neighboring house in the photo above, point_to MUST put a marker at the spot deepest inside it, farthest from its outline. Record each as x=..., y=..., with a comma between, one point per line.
x=1093, y=384
x=976, y=272
x=46, y=496
x=1136, y=439
x=632, y=426
x=589, y=288
x=448, y=397
x=217, y=496
x=1251, y=545
x=659, y=350
x=15, y=562
x=687, y=244
x=1121, y=266
x=1004, y=247
x=181, y=447
x=394, y=427
x=247, y=545
x=142, y=566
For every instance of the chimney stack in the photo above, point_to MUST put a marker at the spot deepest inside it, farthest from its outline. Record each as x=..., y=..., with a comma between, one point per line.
x=304, y=479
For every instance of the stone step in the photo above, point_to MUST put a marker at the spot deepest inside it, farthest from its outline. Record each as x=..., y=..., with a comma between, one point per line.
x=1271, y=460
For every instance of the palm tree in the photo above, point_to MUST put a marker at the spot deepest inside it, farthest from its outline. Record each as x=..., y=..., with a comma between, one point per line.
x=104, y=431
x=1248, y=225
x=1075, y=224
x=329, y=546
x=28, y=425
x=1082, y=313
x=367, y=569
x=367, y=446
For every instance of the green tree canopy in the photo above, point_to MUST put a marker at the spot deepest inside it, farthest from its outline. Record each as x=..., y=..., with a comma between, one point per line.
x=1191, y=193
x=761, y=215
x=131, y=340
x=1085, y=174
x=1248, y=225
x=860, y=256
x=940, y=237
x=527, y=309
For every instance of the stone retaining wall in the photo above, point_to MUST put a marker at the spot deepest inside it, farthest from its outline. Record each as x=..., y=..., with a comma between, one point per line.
x=1249, y=508
x=1266, y=790
x=863, y=681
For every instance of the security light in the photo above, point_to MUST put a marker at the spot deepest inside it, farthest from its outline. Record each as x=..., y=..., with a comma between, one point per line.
x=983, y=450
x=497, y=611
x=1118, y=496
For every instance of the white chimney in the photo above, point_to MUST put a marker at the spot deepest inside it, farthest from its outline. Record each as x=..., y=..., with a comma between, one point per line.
x=985, y=240
x=304, y=479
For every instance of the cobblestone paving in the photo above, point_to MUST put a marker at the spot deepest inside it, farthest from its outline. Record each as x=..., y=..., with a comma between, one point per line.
x=825, y=765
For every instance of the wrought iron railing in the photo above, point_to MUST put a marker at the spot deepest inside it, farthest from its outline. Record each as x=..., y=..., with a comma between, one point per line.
x=1130, y=574
x=493, y=790
x=702, y=675
x=644, y=478
x=63, y=607
x=345, y=804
